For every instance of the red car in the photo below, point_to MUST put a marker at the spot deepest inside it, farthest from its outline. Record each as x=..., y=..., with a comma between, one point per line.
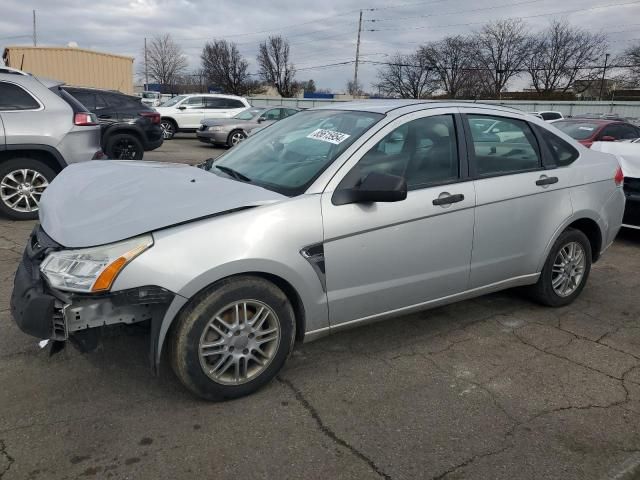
x=587, y=131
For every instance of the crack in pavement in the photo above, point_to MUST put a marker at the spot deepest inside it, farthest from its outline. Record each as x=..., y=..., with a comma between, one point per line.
x=328, y=432
x=10, y=460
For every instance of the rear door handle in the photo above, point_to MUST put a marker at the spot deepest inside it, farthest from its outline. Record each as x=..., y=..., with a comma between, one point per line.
x=446, y=199
x=544, y=180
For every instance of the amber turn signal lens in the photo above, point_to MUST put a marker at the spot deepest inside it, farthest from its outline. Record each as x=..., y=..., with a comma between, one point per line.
x=109, y=274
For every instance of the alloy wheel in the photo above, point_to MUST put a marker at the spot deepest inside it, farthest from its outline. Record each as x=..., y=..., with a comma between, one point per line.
x=236, y=138
x=239, y=342
x=168, y=130
x=21, y=189
x=125, y=149
x=568, y=269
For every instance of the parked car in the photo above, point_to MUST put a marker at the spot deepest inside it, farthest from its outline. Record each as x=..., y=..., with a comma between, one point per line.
x=128, y=127
x=42, y=130
x=587, y=131
x=231, y=131
x=151, y=99
x=185, y=113
x=628, y=155
x=366, y=210
x=548, y=115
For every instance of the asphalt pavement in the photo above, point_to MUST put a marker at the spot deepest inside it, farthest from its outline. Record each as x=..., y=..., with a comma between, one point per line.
x=492, y=388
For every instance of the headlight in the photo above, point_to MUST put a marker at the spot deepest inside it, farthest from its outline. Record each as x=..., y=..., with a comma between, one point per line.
x=215, y=129
x=92, y=269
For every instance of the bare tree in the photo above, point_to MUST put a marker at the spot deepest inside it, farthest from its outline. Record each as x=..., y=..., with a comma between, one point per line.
x=502, y=50
x=354, y=89
x=274, y=65
x=226, y=68
x=166, y=60
x=407, y=76
x=561, y=54
x=452, y=60
x=631, y=57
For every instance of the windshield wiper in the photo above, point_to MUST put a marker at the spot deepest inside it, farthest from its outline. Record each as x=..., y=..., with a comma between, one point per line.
x=233, y=173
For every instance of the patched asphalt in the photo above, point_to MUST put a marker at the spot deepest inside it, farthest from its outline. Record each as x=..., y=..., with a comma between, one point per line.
x=492, y=388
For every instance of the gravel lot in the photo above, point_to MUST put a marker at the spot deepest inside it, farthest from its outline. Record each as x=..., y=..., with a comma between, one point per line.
x=492, y=388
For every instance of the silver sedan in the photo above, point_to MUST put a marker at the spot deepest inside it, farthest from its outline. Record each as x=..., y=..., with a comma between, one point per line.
x=231, y=131
x=333, y=218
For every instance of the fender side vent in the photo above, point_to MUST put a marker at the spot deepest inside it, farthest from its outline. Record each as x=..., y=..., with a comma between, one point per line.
x=314, y=254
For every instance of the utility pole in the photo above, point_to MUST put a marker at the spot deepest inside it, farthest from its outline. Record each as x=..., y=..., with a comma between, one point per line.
x=35, y=38
x=604, y=72
x=146, y=70
x=355, y=74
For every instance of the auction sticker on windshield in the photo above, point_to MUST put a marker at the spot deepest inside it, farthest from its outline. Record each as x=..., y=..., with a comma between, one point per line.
x=328, y=136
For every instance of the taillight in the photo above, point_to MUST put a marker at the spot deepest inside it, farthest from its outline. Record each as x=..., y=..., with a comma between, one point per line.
x=153, y=116
x=85, y=119
x=619, y=177
x=99, y=155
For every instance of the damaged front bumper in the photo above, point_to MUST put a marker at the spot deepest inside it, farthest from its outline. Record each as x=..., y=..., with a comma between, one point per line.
x=48, y=313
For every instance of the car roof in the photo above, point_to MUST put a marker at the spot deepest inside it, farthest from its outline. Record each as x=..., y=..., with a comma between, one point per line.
x=386, y=106
x=217, y=95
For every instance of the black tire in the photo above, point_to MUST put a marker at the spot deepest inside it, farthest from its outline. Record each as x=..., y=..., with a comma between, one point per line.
x=193, y=320
x=169, y=128
x=124, y=146
x=543, y=291
x=9, y=166
x=231, y=139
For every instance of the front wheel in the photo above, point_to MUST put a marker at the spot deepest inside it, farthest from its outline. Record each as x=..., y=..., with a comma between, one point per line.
x=233, y=338
x=22, y=183
x=566, y=270
x=236, y=137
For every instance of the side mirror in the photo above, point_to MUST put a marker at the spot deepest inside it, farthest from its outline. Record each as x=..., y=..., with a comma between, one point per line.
x=375, y=187
x=608, y=138
x=261, y=119
x=182, y=107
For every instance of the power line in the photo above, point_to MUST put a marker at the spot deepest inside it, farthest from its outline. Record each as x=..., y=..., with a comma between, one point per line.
x=519, y=17
x=493, y=7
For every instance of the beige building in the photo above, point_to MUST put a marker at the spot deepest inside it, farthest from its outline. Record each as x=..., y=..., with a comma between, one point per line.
x=74, y=66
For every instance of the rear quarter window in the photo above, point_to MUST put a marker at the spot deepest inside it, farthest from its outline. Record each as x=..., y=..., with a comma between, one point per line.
x=562, y=153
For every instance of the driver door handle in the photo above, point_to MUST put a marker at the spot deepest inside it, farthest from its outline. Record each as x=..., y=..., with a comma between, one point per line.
x=544, y=180
x=458, y=197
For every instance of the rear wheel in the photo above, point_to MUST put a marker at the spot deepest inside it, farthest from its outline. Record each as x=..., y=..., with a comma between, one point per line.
x=236, y=137
x=123, y=146
x=169, y=128
x=233, y=339
x=566, y=270
x=22, y=182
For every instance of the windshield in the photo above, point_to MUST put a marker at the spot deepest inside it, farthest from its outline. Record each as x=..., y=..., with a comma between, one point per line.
x=172, y=101
x=578, y=130
x=249, y=114
x=287, y=156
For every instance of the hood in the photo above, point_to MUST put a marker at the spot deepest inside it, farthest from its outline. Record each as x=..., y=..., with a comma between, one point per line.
x=210, y=122
x=628, y=155
x=98, y=202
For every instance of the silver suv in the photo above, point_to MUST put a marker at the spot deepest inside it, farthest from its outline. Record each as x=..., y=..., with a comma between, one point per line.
x=331, y=218
x=42, y=130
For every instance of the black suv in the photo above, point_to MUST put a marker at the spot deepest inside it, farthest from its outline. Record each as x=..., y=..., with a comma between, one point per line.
x=129, y=128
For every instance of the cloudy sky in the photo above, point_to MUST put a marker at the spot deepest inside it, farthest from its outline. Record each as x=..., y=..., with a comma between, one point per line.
x=320, y=33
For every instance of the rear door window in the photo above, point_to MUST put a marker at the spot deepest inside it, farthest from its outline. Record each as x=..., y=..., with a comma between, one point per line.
x=506, y=146
x=213, y=103
x=13, y=97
